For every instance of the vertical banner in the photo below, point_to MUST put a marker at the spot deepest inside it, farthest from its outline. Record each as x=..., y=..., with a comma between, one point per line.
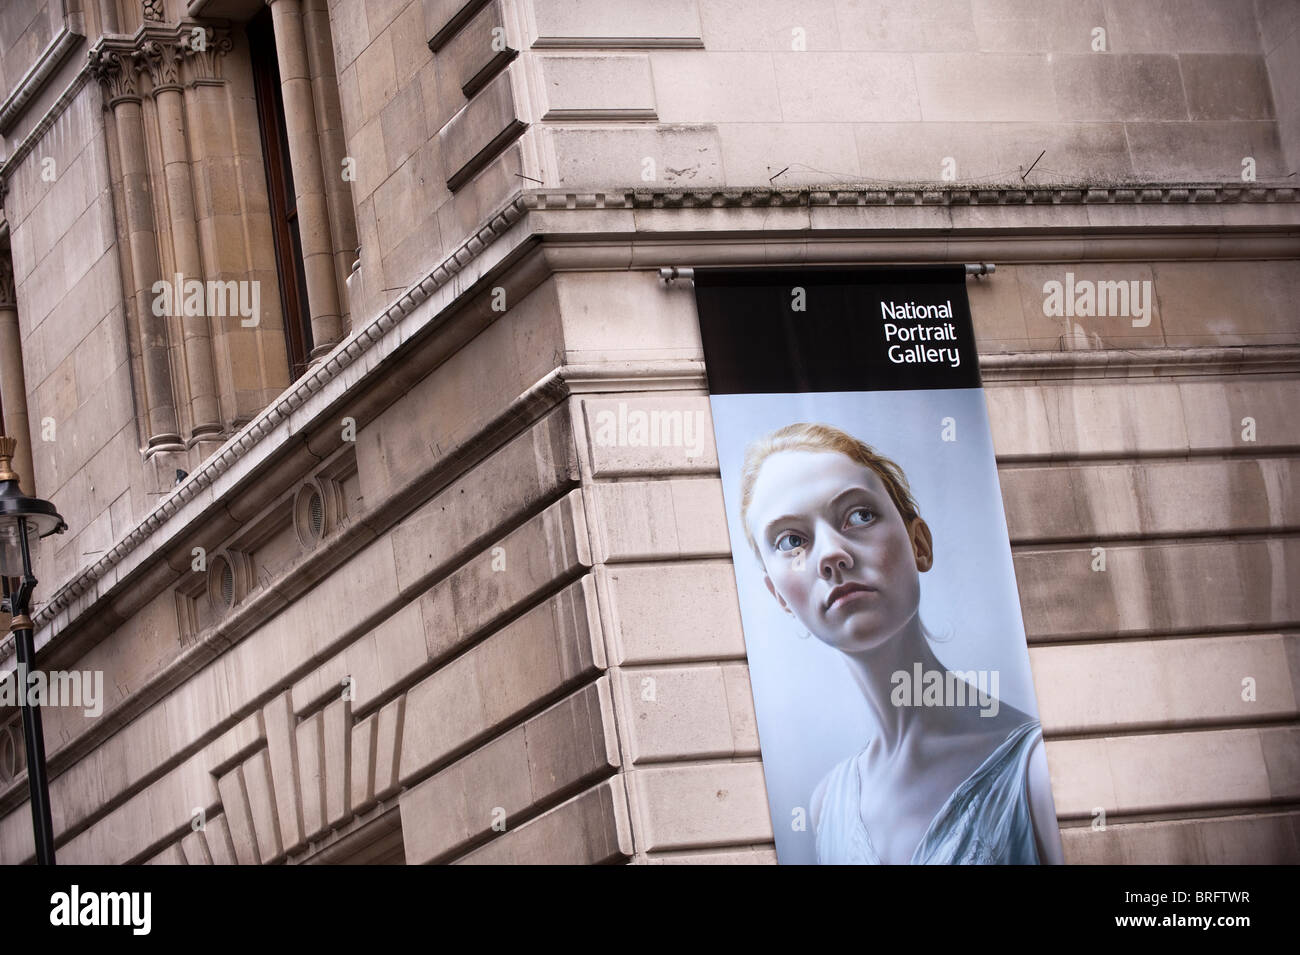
x=895, y=704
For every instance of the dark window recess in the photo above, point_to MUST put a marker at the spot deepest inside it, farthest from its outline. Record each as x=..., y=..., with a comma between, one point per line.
x=279, y=181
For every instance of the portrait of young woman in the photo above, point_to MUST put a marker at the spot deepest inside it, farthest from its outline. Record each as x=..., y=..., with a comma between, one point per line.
x=842, y=547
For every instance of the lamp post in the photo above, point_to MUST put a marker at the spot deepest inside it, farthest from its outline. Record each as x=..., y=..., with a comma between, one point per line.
x=21, y=518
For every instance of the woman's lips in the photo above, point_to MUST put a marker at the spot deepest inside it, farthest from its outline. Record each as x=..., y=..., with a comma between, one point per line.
x=847, y=592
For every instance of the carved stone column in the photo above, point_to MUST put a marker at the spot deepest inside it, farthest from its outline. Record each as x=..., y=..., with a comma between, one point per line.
x=13, y=385
x=308, y=179
x=163, y=61
x=115, y=70
x=333, y=146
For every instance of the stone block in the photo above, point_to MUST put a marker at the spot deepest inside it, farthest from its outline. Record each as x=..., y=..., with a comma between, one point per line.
x=549, y=548
x=475, y=53
x=1226, y=86
x=376, y=72
x=1063, y=421
x=625, y=316
x=402, y=121
x=678, y=713
x=846, y=88
x=613, y=23
x=479, y=131
x=649, y=434
x=1185, y=587
x=1132, y=87
x=1166, y=772
x=769, y=25
x=363, y=762
x=410, y=46
x=590, y=829
x=216, y=837
x=1228, y=303
x=1216, y=414
x=696, y=87
x=261, y=805
x=390, y=732
x=234, y=805
x=639, y=157
x=337, y=729
x=1095, y=502
x=672, y=612
x=547, y=650
x=1204, y=150
x=663, y=520
x=1204, y=26
x=809, y=154
x=443, y=18
x=310, y=744
x=597, y=88
x=1253, y=839
x=1162, y=684
x=350, y=32
x=281, y=745
x=450, y=407
x=699, y=806
x=966, y=87
x=732, y=857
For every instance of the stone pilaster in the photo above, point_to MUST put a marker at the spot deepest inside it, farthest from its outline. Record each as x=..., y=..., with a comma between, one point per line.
x=308, y=179
x=162, y=60
x=116, y=69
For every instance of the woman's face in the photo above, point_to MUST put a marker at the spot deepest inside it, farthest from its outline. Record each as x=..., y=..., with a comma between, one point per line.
x=837, y=554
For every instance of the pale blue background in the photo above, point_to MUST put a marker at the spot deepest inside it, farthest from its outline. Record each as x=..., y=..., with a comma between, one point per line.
x=810, y=714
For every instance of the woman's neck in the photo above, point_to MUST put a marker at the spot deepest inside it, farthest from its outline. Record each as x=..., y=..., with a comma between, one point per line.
x=873, y=670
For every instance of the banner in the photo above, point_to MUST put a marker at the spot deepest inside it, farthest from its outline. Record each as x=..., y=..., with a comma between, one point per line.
x=895, y=704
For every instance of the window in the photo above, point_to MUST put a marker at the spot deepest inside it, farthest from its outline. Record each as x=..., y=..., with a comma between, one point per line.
x=283, y=199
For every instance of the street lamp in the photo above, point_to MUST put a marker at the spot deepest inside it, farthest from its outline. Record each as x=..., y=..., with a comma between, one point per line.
x=21, y=518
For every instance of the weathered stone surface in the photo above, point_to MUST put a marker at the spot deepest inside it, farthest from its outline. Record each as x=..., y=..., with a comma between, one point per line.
x=589, y=829
x=561, y=747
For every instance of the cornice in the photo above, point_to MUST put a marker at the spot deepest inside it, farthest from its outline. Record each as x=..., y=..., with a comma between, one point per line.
x=917, y=194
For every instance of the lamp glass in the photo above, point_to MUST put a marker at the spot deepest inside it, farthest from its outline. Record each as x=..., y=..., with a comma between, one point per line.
x=11, y=551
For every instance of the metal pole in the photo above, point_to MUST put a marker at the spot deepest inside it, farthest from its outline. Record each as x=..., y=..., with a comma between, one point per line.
x=33, y=734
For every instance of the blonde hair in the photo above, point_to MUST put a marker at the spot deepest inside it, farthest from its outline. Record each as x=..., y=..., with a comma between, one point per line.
x=821, y=437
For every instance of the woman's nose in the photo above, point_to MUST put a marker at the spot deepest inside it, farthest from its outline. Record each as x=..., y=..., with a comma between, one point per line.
x=834, y=557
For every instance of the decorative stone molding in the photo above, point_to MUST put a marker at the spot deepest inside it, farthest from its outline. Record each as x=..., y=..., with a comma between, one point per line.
x=26, y=89
x=908, y=195
x=153, y=10
x=184, y=53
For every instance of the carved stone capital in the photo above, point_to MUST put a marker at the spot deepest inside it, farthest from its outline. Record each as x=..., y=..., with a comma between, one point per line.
x=162, y=60
x=115, y=70
x=204, y=47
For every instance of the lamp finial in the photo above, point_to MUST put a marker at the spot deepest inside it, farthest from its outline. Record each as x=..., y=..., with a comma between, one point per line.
x=7, y=447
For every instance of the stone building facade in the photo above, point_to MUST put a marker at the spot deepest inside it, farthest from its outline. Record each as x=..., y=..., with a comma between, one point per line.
x=360, y=583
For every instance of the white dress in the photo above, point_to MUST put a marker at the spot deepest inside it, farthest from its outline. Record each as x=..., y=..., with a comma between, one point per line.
x=985, y=821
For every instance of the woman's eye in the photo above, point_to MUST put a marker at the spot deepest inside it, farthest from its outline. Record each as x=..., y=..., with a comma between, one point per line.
x=861, y=515
x=788, y=542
